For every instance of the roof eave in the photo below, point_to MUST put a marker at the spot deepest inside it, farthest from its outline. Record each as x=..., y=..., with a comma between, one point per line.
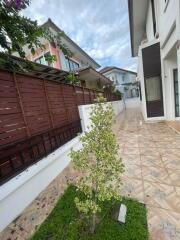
x=137, y=23
x=93, y=71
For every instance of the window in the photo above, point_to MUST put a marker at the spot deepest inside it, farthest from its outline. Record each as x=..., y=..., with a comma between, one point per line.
x=71, y=65
x=153, y=16
x=153, y=88
x=116, y=80
x=43, y=60
x=123, y=78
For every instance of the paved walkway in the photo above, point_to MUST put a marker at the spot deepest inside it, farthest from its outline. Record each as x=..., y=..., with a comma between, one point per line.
x=151, y=154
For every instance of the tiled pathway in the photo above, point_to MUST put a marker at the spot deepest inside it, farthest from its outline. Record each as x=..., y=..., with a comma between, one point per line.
x=151, y=154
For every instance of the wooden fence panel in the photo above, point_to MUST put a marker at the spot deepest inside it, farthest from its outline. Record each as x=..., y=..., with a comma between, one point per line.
x=56, y=101
x=34, y=103
x=86, y=96
x=29, y=105
x=70, y=103
x=12, y=126
x=80, y=96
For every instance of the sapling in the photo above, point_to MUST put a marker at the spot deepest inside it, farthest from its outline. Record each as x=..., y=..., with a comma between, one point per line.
x=99, y=162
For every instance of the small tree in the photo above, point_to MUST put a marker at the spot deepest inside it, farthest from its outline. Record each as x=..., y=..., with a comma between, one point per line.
x=98, y=160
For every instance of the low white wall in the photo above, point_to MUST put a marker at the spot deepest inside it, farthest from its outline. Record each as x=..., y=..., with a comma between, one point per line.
x=85, y=110
x=132, y=102
x=20, y=191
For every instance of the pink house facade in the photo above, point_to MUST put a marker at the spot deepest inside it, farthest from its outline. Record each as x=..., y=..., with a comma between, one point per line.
x=80, y=58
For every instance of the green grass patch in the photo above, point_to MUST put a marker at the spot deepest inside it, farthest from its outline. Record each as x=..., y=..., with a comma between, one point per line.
x=65, y=222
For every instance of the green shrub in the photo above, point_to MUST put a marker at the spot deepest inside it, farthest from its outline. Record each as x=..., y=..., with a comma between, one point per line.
x=71, y=78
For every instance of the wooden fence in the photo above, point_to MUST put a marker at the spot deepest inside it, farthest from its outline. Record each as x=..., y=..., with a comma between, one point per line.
x=36, y=117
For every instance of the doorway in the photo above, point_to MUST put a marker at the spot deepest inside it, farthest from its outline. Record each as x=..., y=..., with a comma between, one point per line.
x=153, y=81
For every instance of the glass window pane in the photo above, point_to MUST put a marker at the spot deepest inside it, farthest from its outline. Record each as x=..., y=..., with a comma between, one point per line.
x=67, y=64
x=153, y=89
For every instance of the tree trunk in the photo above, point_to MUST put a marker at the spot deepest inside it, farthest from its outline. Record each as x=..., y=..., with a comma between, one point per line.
x=93, y=226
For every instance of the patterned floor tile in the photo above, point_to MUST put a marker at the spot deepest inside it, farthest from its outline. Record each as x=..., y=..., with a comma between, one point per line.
x=177, y=189
x=133, y=171
x=133, y=188
x=169, y=151
x=154, y=174
x=131, y=159
x=147, y=144
x=162, y=138
x=161, y=195
x=163, y=224
x=151, y=161
x=174, y=176
x=149, y=151
x=134, y=144
x=131, y=150
x=144, y=138
x=171, y=161
x=160, y=144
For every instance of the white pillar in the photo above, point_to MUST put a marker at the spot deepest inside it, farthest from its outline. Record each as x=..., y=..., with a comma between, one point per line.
x=141, y=79
x=164, y=83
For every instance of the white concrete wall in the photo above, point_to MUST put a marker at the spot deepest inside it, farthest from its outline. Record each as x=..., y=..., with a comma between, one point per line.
x=168, y=13
x=169, y=65
x=132, y=103
x=20, y=191
x=141, y=79
x=85, y=111
x=149, y=25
